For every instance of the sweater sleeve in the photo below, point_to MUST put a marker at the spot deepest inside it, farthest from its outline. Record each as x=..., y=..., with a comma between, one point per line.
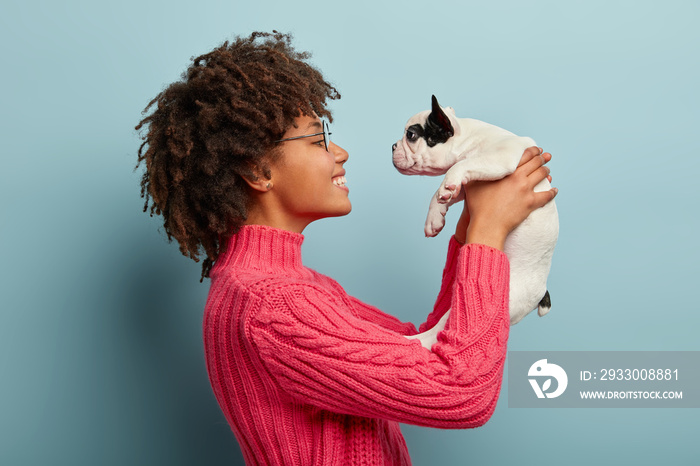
x=320, y=353
x=444, y=298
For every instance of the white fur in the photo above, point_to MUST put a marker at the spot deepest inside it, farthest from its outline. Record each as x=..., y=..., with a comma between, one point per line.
x=481, y=151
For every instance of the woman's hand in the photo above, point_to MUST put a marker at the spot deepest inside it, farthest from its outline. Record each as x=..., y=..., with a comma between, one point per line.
x=492, y=209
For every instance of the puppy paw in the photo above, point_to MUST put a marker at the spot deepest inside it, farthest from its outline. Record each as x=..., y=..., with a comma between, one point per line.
x=447, y=192
x=435, y=221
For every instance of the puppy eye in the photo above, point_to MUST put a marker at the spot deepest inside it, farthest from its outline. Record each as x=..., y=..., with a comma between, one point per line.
x=411, y=136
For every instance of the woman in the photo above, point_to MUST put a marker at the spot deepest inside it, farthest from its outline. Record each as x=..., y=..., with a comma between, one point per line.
x=239, y=162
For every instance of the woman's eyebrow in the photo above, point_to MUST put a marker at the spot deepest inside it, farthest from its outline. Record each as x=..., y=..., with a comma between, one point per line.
x=315, y=124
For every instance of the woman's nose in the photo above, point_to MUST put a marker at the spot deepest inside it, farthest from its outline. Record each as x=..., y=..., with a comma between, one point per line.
x=340, y=154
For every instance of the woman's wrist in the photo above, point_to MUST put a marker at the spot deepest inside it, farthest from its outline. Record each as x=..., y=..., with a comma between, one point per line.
x=488, y=234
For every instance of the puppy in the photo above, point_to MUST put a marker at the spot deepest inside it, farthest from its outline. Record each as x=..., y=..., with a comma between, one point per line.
x=436, y=142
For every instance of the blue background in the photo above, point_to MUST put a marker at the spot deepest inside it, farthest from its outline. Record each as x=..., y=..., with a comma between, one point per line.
x=101, y=358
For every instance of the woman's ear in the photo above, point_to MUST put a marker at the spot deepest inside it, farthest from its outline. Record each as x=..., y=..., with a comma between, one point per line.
x=260, y=183
x=259, y=178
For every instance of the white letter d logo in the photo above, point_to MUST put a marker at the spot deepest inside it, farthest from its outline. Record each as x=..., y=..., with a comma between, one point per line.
x=542, y=369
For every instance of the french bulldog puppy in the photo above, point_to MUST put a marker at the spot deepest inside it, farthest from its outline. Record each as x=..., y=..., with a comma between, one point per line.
x=436, y=142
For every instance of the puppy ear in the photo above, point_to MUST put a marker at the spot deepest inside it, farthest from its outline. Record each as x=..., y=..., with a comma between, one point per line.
x=440, y=119
x=453, y=118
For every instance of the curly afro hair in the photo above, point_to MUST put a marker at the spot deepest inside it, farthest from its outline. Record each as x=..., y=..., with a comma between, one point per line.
x=215, y=127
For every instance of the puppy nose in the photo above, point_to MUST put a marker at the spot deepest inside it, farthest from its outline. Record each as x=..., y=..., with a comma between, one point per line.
x=393, y=148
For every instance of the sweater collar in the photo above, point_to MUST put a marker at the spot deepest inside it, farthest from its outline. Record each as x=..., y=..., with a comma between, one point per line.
x=263, y=248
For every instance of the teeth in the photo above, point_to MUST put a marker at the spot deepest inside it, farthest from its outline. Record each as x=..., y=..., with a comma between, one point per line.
x=339, y=181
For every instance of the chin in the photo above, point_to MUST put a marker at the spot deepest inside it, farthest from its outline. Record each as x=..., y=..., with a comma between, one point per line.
x=345, y=211
x=342, y=211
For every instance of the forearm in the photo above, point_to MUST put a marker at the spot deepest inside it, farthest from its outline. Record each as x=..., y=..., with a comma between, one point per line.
x=487, y=233
x=444, y=297
x=480, y=231
x=323, y=355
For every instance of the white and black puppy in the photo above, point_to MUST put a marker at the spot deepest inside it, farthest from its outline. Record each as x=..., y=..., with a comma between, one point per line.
x=436, y=142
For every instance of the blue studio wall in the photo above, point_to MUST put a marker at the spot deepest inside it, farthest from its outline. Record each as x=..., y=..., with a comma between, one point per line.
x=101, y=358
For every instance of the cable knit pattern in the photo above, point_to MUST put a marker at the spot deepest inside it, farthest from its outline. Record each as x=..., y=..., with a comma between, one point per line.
x=307, y=375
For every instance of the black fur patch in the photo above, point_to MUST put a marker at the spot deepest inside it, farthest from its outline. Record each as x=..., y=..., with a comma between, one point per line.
x=438, y=128
x=546, y=301
x=414, y=132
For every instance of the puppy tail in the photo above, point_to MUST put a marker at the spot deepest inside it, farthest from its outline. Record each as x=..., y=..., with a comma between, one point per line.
x=545, y=304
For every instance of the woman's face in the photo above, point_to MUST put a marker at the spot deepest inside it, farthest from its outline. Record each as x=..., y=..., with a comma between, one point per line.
x=308, y=182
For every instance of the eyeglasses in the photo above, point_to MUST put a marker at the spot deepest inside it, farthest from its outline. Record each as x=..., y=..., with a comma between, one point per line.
x=326, y=135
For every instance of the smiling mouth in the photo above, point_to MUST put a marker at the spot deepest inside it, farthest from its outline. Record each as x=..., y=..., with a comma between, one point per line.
x=339, y=181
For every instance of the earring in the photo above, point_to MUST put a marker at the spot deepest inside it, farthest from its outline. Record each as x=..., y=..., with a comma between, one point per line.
x=269, y=186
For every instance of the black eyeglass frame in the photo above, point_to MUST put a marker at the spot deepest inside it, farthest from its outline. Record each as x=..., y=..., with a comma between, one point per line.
x=326, y=136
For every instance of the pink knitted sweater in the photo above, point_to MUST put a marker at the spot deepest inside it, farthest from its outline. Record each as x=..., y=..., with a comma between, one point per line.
x=308, y=375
